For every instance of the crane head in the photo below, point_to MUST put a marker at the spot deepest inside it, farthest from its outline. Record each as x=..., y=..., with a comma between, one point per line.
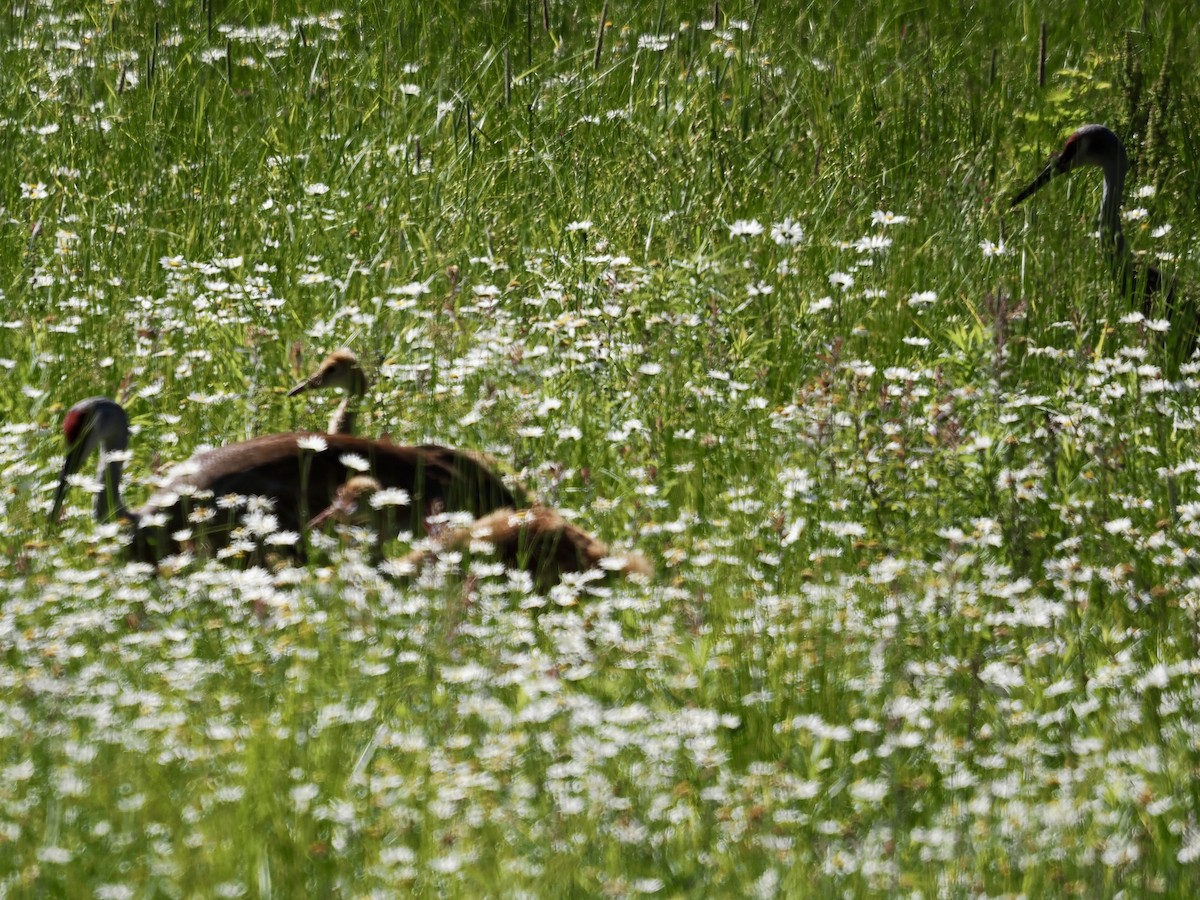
x=1091, y=145
x=350, y=502
x=95, y=423
x=340, y=369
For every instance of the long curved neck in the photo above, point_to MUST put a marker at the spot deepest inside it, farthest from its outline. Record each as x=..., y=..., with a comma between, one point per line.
x=1112, y=236
x=1110, y=202
x=342, y=420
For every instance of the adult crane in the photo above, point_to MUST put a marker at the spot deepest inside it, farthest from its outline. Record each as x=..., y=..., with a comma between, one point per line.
x=297, y=474
x=1099, y=146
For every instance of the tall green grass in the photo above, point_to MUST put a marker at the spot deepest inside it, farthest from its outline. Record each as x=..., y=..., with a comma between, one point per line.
x=924, y=619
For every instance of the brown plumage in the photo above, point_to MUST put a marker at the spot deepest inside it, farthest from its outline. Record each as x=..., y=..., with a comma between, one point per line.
x=341, y=369
x=537, y=540
x=297, y=481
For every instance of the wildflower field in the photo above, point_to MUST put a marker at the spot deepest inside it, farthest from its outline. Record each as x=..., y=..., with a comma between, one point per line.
x=732, y=285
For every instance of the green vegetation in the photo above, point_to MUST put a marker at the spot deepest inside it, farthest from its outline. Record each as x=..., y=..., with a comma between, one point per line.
x=742, y=294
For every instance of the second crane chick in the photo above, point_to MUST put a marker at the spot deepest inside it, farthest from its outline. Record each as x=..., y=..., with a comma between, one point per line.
x=537, y=540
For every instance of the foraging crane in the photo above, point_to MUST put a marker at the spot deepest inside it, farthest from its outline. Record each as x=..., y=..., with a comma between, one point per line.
x=349, y=502
x=538, y=540
x=1096, y=145
x=296, y=472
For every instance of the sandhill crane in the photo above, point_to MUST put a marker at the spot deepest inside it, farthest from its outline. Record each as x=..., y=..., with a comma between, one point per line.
x=538, y=539
x=1096, y=145
x=350, y=503
x=298, y=473
x=340, y=369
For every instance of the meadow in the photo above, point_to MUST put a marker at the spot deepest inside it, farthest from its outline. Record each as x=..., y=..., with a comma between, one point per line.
x=733, y=285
